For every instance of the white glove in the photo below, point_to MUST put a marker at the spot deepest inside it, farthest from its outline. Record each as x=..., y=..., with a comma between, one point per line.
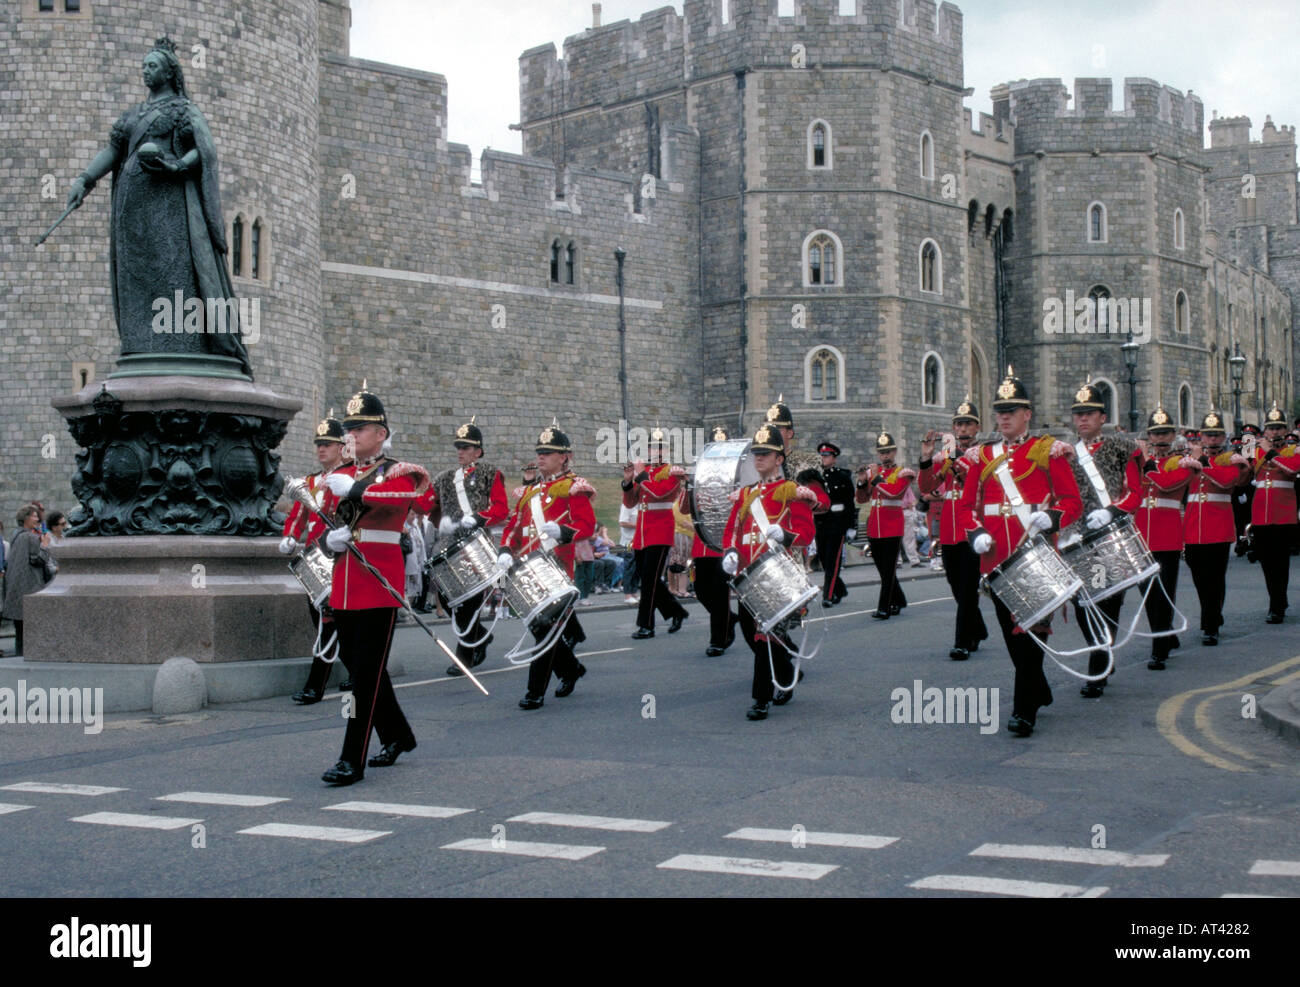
x=504, y=561
x=983, y=543
x=337, y=539
x=1098, y=519
x=851, y=534
x=730, y=563
x=288, y=545
x=812, y=551
x=469, y=522
x=1040, y=521
x=446, y=526
x=773, y=534
x=339, y=485
x=1188, y=463
x=551, y=530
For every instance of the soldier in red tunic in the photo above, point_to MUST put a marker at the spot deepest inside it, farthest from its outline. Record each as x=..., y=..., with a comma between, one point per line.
x=1159, y=519
x=371, y=497
x=472, y=495
x=652, y=490
x=883, y=486
x=301, y=527
x=1208, y=527
x=773, y=511
x=551, y=515
x=1273, y=510
x=960, y=563
x=1107, y=473
x=1041, y=474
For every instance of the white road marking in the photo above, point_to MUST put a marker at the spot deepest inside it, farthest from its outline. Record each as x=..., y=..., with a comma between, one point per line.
x=996, y=885
x=748, y=866
x=556, y=851
x=860, y=841
x=7, y=807
x=499, y=671
x=400, y=809
x=55, y=788
x=1071, y=855
x=136, y=821
x=1276, y=868
x=1230, y=895
x=591, y=822
x=220, y=798
x=335, y=834
x=859, y=613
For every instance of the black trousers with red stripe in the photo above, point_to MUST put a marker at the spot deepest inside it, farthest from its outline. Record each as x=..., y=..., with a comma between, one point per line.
x=1272, y=544
x=713, y=590
x=365, y=637
x=830, y=548
x=655, y=594
x=1209, y=565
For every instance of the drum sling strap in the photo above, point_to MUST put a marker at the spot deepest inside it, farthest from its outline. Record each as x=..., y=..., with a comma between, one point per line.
x=458, y=481
x=1009, y=488
x=519, y=654
x=1091, y=472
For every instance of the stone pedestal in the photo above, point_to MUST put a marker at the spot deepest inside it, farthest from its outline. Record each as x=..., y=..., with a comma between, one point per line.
x=144, y=599
x=176, y=455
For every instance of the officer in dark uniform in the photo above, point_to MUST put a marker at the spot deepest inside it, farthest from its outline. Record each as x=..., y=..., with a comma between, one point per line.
x=835, y=524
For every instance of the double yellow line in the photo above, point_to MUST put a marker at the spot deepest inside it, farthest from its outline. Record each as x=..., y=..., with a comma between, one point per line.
x=1167, y=717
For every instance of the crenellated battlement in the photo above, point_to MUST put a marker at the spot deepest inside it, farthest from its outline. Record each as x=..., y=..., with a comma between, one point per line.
x=662, y=50
x=1154, y=114
x=1235, y=131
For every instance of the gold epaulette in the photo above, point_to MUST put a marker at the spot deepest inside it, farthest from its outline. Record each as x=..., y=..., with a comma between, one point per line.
x=1040, y=452
x=560, y=488
x=662, y=473
x=893, y=477
x=785, y=493
x=1171, y=464
x=747, y=500
x=1223, y=459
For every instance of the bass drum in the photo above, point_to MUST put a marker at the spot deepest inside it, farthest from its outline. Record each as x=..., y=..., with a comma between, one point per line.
x=721, y=469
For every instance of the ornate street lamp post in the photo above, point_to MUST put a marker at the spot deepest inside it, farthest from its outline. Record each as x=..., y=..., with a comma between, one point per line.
x=1130, y=350
x=1237, y=367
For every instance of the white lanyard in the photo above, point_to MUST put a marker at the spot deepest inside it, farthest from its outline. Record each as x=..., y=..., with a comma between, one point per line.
x=1090, y=470
x=458, y=481
x=1009, y=489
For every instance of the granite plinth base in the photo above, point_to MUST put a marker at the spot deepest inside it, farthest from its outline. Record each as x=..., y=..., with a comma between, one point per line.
x=144, y=599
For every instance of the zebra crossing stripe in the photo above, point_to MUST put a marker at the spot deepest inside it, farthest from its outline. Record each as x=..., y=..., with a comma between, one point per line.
x=400, y=809
x=748, y=866
x=555, y=851
x=221, y=798
x=136, y=821
x=334, y=834
x=1276, y=868
x=860, y=841
x=591, y=822
x=7, y=807
x=1071, y=855
x=56, y=788
x=997, y=885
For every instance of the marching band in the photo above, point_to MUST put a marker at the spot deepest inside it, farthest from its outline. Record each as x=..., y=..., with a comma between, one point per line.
x=1030, y=520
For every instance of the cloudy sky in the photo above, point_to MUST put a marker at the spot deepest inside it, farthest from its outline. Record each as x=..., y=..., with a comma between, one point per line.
x=1240, y=59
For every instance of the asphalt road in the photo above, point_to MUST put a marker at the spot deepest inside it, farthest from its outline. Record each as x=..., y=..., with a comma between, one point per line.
x=1161, y=788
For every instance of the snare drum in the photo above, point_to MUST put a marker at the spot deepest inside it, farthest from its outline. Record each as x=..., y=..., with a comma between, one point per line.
x=315, y=571
x=721, y=469
x=1111, y=559
x=773, y=587
x=1033, y=581
x=538, y=590
x=463, y=564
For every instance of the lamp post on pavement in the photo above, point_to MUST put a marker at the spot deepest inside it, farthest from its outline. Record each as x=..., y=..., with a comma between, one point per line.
x=1237, y=367
x=1130, y=350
